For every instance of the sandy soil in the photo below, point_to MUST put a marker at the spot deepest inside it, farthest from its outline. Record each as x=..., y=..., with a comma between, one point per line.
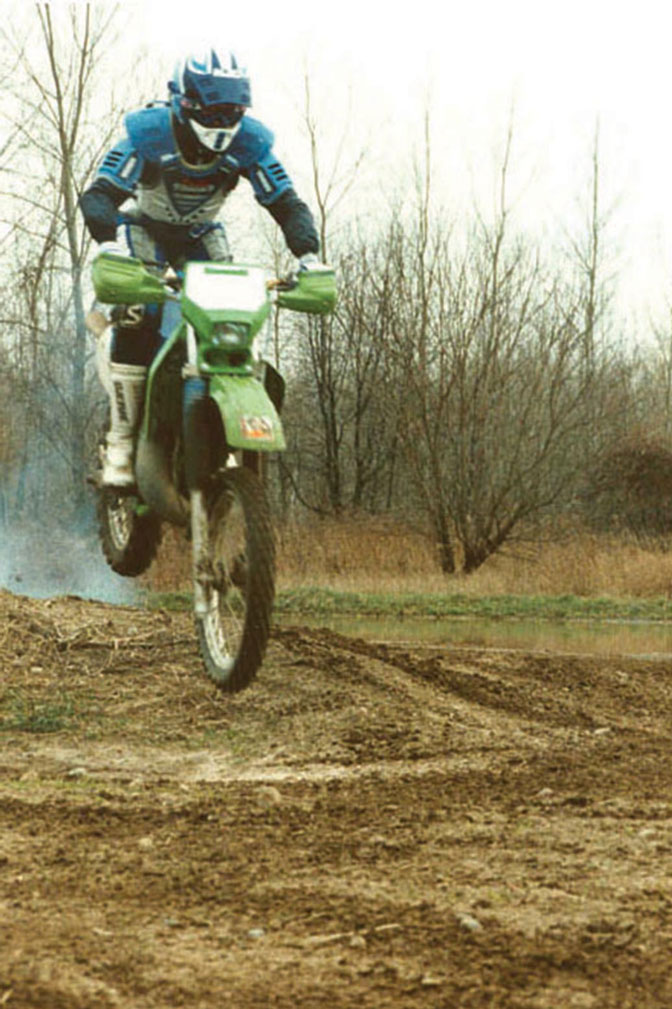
x=369, y=825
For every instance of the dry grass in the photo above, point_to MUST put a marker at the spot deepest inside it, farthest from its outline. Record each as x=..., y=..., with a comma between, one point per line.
x=379, y=555
x=584, y=565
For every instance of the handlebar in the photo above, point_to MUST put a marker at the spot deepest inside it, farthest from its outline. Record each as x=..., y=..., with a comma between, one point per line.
x=124, y=280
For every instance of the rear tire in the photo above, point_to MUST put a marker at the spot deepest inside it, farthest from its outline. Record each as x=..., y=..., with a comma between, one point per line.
x=129, y=539
x=232, y=636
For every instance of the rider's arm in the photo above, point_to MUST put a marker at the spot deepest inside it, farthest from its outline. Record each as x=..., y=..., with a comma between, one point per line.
x=273, y=189
x=99, y=204
x=115, y=182
x=296, y=222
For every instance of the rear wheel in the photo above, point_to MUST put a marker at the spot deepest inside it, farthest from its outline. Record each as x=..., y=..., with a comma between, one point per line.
x=129, y=536
x=239, y=586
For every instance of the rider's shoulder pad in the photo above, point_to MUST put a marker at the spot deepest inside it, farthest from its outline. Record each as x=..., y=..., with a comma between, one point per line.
x=252, y=141
x=122, y=166
x=150, y=132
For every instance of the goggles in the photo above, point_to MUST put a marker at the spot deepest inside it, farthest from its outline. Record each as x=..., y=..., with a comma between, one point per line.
x=213, y=117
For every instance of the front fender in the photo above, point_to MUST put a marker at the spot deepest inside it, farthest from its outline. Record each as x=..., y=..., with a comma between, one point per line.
x=250, y=420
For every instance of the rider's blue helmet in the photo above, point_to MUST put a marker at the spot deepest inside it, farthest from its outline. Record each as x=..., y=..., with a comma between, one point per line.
x=210, y=92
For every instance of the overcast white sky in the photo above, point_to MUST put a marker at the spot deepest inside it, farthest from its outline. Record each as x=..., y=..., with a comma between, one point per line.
x=561, y=65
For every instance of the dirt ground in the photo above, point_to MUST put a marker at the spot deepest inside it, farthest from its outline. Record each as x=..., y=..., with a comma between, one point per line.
x=368, y=825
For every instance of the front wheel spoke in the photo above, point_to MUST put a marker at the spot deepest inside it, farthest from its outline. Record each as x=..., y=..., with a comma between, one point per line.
x=223, y=581
x=231, y=574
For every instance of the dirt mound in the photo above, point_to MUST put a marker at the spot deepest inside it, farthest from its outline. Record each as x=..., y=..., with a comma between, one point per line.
x=370, y=824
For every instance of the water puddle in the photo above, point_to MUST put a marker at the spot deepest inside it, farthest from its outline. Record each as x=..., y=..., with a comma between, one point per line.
x=604, y=638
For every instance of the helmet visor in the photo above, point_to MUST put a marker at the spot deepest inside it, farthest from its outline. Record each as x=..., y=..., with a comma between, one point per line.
x=215, y=117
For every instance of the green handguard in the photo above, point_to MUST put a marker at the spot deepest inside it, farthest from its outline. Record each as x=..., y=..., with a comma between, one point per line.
x=121, y=280
x=314, y=292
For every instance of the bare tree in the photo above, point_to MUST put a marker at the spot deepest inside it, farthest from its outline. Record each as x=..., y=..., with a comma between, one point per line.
x=342, y=463
x=328, y=359
x=467, y=378
x=57, y=145
x=658, y=380
x=492, y=345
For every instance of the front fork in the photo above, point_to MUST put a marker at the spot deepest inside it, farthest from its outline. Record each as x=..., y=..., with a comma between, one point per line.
x=200, y=548
x=195, y=391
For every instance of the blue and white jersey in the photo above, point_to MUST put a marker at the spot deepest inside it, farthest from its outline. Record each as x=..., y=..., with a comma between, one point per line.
x=148, y=166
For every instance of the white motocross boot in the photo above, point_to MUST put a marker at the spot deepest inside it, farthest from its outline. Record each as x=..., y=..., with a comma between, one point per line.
x=126, y=387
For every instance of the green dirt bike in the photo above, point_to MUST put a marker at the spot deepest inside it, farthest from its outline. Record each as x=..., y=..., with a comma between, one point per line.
x=210, y=415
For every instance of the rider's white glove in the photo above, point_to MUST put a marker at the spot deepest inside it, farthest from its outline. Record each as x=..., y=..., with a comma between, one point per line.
x=113, y=248
x=309, y=261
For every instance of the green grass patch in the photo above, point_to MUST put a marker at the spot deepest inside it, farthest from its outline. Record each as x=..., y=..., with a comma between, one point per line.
x=325, y=602
x=24, y=713
x=175, y=601
x=315, y=601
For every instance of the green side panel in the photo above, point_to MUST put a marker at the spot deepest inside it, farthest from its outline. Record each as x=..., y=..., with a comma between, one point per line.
x=314, y=292
x=118, y=280
x=250, y=419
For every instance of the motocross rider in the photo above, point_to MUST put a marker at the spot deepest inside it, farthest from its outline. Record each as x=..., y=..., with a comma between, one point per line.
x=179, y=160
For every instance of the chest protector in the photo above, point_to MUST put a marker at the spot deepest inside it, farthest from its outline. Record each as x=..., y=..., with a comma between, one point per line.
x=169, y=189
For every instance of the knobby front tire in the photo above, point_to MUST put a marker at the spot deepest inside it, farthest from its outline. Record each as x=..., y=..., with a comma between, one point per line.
x=233, y=634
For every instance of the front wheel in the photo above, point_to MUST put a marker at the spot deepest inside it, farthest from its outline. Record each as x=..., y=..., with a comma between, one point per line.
x=239, y=583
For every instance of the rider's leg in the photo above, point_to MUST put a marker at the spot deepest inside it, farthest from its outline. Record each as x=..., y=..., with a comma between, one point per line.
x=128, y=387
x=209, y=242
x=123, y=367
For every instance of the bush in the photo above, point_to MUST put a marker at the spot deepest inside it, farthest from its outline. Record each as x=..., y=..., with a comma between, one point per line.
x=630, y=490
